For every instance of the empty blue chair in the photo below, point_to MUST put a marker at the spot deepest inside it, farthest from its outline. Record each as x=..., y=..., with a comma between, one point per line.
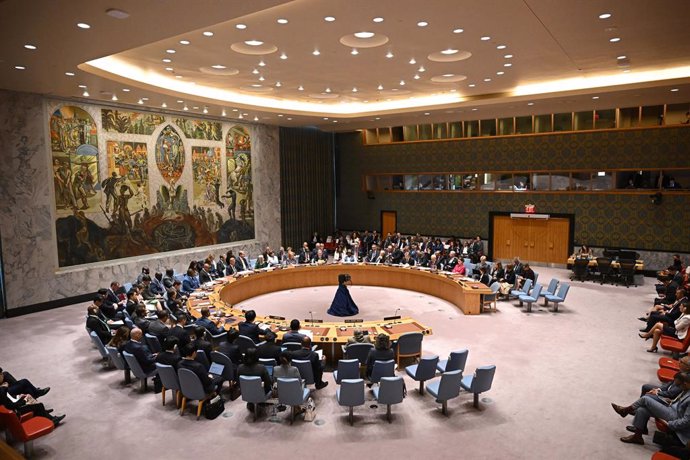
x=99, y=345
x=137, y=370
x=391, y=390
x=551, y=288
x=192, y=389
x=293, y=394
x=119, y=363
x=408, y=345
x=456, y=361
x=425, y=370
x=488, y=299
x=382, y=369
x=479, y=382
x=445, y=388
x=347, y=369
x=558, y=298
x=525, y=289
x=529, y=299
x=305, y=370
x=170, y=381
x=350, y=393
x=536, y=277
x=252, y=389
x=153, y=343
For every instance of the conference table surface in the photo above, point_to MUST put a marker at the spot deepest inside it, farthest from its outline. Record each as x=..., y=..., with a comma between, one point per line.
x=639, y=264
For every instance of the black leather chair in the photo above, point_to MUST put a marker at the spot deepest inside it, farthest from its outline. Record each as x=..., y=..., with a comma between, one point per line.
x=604, y=268
x=580, y=269
x=626, y=273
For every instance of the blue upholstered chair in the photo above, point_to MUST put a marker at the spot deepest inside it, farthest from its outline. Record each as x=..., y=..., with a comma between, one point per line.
x=488, y=299
x=525, y=289
x=202, y=358
x=291, y=346
x=445, y=388
x=137, y=370
x=170, y=381
x=305, y=370
x=455, y=361
x=99, y=345
x=244, y=343
x=408, y=345
x=119, y=363
x=559, y=297
x=529, y=299
x=390, y=391
x=347, y=369
x=425, y=370
x=191, y=389
x=358, y=351
x=551, y=288
x=228, y=366
x=479, y=382
x=293, y=394
x=153, y=343
x=350, y=393
x=382, y=369
x=252, y=389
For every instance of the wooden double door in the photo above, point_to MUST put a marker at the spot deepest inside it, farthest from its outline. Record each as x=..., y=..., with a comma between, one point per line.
x=532, y=240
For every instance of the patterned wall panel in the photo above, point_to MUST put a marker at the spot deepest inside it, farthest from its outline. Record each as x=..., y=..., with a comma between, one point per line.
x=600, y=219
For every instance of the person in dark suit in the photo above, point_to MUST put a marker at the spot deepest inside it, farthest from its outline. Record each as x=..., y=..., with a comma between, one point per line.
x=23, y=404
x=382, y=351
x=307, y=354
x=140, y=318
x=159, y=326
x=97, y=323
x=112, y=311
x=231, y=268
x=248, y=328
x=242, y=264
x=294, y=335
x=251, y=367
x=189, y=361
x=221, y=265
x=269, y=349
x=157, y=287
x=527, y=274
x=205, y=274
x=169, y=278
x=484, y=277
x=662, y=315
x=141, y=352
x=190, y=282
x=200, y=342
x=206, y=321
x=304, y=255
x=131, y=302
x=21, y=386
x=179, y=332
x=169, y=356
x=229, y=348
x=112, y=294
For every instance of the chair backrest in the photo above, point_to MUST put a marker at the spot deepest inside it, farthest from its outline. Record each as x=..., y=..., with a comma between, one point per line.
x=536, y=277
x=351, y=392
x=252, y=389
x=580, y=266
x=202, y=358
x=99, y=345
x=536, y=291
x=244, y=343
x=527, y=286
x=449, y=387
x=604, y=264
x=291, y=346
x=153, y=343
x=126, y=287
x=169, y=377
x=457, y=360
x=290, y=392
x=552, y=286
x=382, y=369
x=627, y=267
x=495, y=286
x=305, y=370
x=128, y=322
x=116, y=358
x=229, y=366
x=358, y=351
x=410, y=342
x=483, y=378
x=10, y=421
x=190, y=385
x=347, y=369
x=391, y=390
x=426, y=369
x=563, y=291
x=134, y=365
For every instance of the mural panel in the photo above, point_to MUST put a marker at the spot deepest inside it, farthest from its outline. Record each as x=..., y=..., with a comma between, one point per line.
x=74, y=145
x=170, y=155
x=206, y=171
x=238, y=154
x=125, y=122
x=200, y=129
x=127, y=165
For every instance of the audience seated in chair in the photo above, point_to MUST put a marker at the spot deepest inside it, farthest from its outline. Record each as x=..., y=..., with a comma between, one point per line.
x=252, y=368
x=212, y=325
x=382, y=351
x=285, y=369
x=188, y=361
x=170, y=354
x=269, y=349
x=97, y=323
x=200, y=342
x=229, y=348
x=140, y=350
x=677, y=330
x=120, y=338
x=359, y=337
x=294, y=335
x=306, y=353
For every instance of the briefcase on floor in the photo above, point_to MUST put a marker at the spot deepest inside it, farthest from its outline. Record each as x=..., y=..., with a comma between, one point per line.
x=214, y=408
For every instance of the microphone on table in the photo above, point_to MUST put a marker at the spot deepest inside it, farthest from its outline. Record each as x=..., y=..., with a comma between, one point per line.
x=311, y=314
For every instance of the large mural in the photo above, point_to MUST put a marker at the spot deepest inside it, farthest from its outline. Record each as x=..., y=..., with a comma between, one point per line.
x=133, y=208
x=74, y=144
x=200, y=129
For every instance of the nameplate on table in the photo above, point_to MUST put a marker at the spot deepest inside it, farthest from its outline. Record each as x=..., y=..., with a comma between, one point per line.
x=282, y=318
x=313, y=321
x=360, y=320
x=390, y=318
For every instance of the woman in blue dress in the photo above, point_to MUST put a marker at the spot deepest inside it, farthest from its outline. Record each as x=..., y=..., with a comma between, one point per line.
x=343, y=305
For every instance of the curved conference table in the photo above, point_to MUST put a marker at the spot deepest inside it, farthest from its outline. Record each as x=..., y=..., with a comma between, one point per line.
x=224, y=297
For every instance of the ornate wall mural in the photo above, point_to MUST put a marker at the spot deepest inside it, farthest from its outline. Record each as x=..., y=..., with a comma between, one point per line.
x=132, y=210
x=74, y=144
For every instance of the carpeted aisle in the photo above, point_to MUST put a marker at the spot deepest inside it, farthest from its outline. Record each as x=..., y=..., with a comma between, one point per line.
x=557, y=374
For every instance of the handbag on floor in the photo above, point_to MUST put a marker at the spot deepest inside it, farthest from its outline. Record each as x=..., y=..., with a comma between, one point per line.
x=214, y=408
x=310, y=411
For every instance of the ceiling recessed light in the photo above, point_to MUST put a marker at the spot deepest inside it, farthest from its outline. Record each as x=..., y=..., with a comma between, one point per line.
x=185, y=108
x=471, y=85
x=380, y=87
x=144, y=98
x=622, y=57
x=421, y=69
x=83, y=25
x=279, y=84
x=413, y=61
x=261, y=78
x=281, y=115
x=507, y=64
x=283, y=56
x=508, y=56
x=180, y=101
x=316, y=52
x=378, y=19
x=253, y=42
x=402, y=82
x=422, y=23
x=458, y=31
x=615, y=39
x=475, y=109
x=164, y=105
x=240, y=116
x=20, y=67
x=82, y=86
x=85, y=93
x=329, y=19
x=208, y=33
x=240, y=26
x=485, y=38
x=325, y=118
x=675, y=90
x=289, y=118
x=328, y=90
x=501, y=47
x=354, y=90
x=530, y=103
x=282, y=21
x=255, y=71
x=377, y=118
x=354, y=52
x=364, y=34
x=29, y=46
x=256, y=118
x=167, y=61
x=169, y=69
x=205, y=109
x=500, y=73
x=170, y=51
x=335, y=121
x=126, y=90
x=195, y=107
x=595, y=97
x=140, y=102
x=487, y=79
x=69, y=74
x=300, y=88
x=449, y=51
x=184, y=42
x=604, y=15
x=416, y=76
x=218, y=66
x=262, y=63
x=389, y=55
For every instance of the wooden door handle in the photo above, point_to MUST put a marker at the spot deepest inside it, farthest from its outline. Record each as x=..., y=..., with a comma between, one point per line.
x=550, y=245
x=507, y=242
x=531, y=244
x=526, y=244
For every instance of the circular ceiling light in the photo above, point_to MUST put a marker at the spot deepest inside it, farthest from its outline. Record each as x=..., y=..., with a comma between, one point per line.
x=240, y=26
x=184, y=42
x=471, y=85
x=329, y=19
x=262, y=64
x=675, y=90
x=170, y=51
x=126, y=90
x=316, y=52
x=485, y=38
x=83, y=25
x=500, y=73
x=354, y=52
x=422, y=24
x=416, y=76
x=487, y=79
x=501, y=47
x=220, y=71
x=253, y=49
x=622, y=57
x=413, y=61
x=380, y=87
x=282, y=21
x=167, y=61
x=378, y=19
x=389, y=55
x=283, y=56
x=253, y=42
x=169, y=69
x=508, y=56
x=448, y=78
x=29, y=46
x=605, y=15
x=449, y=55
x=20, y=67
x=208, y=34
x=363, y=40
x=595, y=97
x=615, y=39
x=458, y=31
x=530, y=103
x=507, y=64
x=69, y=74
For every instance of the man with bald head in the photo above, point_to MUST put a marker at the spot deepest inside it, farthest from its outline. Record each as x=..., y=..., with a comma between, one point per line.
x=141, y=352
x=306, y=353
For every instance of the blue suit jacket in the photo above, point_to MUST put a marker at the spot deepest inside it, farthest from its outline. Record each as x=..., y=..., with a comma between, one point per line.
x=189, y=284
x=142, y=354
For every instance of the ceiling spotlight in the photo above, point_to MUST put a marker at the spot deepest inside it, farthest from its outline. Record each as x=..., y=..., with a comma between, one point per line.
x=389, y=55
x=622, y=57
x=675, y=90
x=170, y=51
x=20, y=67
x=185, y=108
x=485, y=38
x=240, y=26
x=114, y=98
x=402, y=82
x=82, y=86
x=471, y=85
x=283, y=56
x=262, y=63
x=377, y=118
x=501, y=47
x=140, y=101
x=256, y=118
x=364, y=34
x=83, y=25
x=487, y=79
x=261, y=78
x=378, y=19
x=422, y=23
x=300, y=88
x=164, y=105
x=169, y=69
x=328, y=90
x=280, y=21
x=126, y=90
x=85, y=93
x=604, y=15
x=475, y=109
x=240, y=116
x=253, y=42
x=69, y=74
x=219, y=66
x=180, y=101
x=458, y=31
x=508, y=56
x=167, y=61
x=416, y=76
x=205, y=109
x=507, y=64
x=289, y=118
x=329, y=19
x=316, y=52
x=380, y=87
x=325, y=118
x=615, y=39
x=223, y=114
x=278, y=84
x=255, y=71
x=144, y=98
x=354, y=90
x=208, y=34
x=595, y=97
x=354, y=52
x=449, y=51
x=29, y=46
x=413, y=61
x=184, y=42
x=530, y=103
x=421, y=69
x=500, y=73
x=427, y=113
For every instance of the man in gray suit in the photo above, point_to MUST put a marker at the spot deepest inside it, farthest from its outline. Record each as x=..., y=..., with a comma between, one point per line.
x=675, y=412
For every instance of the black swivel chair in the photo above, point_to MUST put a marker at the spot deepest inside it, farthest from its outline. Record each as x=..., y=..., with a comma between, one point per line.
x=627, y=272
x=604, y=268
x=580, y=269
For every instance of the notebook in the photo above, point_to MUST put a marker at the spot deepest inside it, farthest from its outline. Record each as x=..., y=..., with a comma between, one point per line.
x=216, y=369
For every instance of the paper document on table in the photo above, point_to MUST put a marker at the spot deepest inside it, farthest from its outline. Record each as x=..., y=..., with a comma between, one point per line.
x=320, y=353
x=307, y=332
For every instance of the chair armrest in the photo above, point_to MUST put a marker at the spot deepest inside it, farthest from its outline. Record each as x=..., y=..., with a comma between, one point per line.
x=26, y=416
